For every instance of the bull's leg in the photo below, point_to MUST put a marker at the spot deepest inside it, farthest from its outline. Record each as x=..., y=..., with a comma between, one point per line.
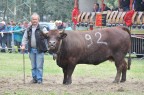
x=65, y=74
x=119, y=70
x=124, y=70
x=70, y=70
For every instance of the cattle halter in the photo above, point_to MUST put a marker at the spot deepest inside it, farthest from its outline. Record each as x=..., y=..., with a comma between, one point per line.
x=55, y=54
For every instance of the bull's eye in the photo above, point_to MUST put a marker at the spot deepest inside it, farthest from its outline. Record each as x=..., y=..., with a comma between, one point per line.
x=58, y=38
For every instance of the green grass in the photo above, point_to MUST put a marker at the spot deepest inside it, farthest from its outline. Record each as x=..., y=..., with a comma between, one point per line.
x=137, y=31
x=11, y=65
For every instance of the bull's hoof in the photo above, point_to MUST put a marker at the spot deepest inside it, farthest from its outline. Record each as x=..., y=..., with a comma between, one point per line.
x=64, y=82
x=67, y=83
x=115, y=81
x=122, y=81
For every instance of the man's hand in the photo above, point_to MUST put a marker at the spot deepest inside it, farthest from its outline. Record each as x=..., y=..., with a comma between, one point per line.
x=23, y=48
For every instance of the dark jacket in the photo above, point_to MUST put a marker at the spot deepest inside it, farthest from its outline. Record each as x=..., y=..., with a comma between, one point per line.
x=124, y=4
x=40, y=40
x=138, y=5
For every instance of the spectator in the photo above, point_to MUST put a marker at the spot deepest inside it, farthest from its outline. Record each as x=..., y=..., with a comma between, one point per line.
x=9, y=37
x=138, y=5
x=3, y=36
x=124, y=5
x=17, y=35
x=36, y=47
x=25, y=25
x=142, y=5
x=105, y=7
x=59, y=24
x=96, y=7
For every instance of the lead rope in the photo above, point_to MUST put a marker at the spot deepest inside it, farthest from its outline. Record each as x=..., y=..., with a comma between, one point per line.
x=56, y=54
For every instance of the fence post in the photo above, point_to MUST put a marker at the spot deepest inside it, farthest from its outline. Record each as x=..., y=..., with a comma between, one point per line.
x=12, y=43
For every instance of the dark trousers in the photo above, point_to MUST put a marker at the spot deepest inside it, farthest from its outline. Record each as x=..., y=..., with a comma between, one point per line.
x=8, y=40
x=3, y=42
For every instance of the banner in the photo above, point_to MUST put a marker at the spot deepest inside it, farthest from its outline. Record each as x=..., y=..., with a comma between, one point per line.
x=100, y=19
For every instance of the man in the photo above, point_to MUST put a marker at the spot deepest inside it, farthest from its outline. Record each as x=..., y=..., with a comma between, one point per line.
x=105, y=7
x=96, y=8
x=124, y=5
x=3, y=35
x=9, y=28
x=36, y=47
x=138, y=5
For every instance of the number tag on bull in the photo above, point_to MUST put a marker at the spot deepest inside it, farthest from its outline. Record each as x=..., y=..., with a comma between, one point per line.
x=97, y=35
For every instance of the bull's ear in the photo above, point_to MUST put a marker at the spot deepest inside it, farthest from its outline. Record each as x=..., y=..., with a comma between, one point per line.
x=44, y=35
x=62, y=34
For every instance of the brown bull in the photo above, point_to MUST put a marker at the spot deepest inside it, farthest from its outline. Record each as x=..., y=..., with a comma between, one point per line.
x=91, y=47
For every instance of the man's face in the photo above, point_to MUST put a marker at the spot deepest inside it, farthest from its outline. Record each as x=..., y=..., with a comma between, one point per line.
x=35, y=20
x=1, y=24
x=95, y=6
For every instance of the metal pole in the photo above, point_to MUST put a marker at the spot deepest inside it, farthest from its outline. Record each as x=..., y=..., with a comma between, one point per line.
x=23, y=68
x=12, y=42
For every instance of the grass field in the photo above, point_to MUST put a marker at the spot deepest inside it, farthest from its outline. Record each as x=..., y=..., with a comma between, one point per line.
x=87, y=79
x=137, y=31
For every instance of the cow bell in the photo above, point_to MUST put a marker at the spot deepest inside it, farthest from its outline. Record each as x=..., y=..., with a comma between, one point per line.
x=54, y=56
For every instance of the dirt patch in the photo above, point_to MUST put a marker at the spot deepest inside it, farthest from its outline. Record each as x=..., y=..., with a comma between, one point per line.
x=80, y=85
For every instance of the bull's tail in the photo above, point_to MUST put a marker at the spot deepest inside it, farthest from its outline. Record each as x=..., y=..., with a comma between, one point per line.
x=129, y=60
x=129, y=57
x=127, y=30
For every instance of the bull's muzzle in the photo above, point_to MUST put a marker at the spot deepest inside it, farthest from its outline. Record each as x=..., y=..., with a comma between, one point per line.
x=52, y=44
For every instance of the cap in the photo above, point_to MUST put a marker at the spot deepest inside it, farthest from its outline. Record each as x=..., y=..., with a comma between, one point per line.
x=3, y=22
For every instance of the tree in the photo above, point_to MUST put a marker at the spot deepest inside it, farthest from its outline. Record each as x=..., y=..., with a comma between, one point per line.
x=47, y=9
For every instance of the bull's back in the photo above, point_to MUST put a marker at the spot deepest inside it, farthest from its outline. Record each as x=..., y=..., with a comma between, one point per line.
x=97, y=46
x=117, y=38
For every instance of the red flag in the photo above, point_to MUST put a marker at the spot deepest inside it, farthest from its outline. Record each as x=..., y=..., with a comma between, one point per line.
x=75, y=14
x=128, y=17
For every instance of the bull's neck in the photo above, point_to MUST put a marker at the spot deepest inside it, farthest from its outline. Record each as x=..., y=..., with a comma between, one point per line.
x=55, y=55
x=59, y=46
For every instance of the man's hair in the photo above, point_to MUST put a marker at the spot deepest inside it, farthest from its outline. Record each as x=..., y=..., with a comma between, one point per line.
x=97, y=4
x=35, y=14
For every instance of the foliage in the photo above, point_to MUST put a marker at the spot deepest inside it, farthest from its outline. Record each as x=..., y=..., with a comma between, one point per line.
x=20, y=10
x=11, y=75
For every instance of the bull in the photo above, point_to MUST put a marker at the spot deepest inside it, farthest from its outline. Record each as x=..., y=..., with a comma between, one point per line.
x=90, y=47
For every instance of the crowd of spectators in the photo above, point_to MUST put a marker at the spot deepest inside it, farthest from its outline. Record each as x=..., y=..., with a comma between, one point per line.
x=124, y=5
x=17, y=30
x=138, y=5
x=6, y=32
x=98, y=8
